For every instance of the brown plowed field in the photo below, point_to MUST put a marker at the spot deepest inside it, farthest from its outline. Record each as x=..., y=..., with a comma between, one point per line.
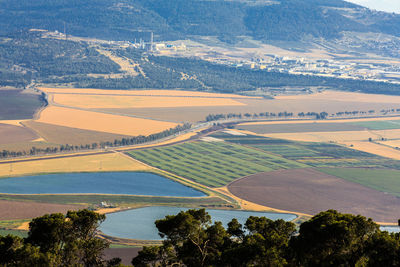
x=309, y=191
x=13, y=210
x=15, y=134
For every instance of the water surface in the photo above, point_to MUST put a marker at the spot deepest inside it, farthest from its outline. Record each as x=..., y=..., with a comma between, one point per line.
x=130, y=183
x=139, y=223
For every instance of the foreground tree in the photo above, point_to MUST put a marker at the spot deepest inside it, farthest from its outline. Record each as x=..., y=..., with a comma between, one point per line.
x=71, y=238
x=333, y=239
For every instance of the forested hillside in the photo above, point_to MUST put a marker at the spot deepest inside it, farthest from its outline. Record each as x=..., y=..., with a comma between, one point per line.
x=25, y=56
x=173, y=19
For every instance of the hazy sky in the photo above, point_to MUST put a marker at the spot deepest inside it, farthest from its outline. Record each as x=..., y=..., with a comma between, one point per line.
x=383, y=5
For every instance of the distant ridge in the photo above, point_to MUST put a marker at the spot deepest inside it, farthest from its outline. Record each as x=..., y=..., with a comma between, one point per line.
x=178, y=19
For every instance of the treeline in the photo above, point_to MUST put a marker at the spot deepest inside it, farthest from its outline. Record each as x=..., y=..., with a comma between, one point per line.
x=191, y=239
x=117, y=143
x=328, y=239
x=285, y=114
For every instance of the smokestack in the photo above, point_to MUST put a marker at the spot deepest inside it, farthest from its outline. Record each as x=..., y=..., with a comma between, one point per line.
x=151, y=41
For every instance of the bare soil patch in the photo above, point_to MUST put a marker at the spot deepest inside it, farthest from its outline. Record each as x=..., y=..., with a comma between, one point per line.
x=66, y=135
x=14, y=134
x=14, y=104
x=14, y=210
x=309, y=191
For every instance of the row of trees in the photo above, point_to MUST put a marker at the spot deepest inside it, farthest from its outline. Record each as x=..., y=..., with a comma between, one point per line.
x=285, y=114
x=117, y=142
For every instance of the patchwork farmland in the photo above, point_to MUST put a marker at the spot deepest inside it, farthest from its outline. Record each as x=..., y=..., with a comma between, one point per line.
x=212, y=164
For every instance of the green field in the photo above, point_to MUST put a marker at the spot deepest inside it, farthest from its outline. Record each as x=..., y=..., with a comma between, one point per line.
x=22, y=234
x=120, y=200
x=212, y=164
x=379, y=179
x=379, y=125
x=312, y=154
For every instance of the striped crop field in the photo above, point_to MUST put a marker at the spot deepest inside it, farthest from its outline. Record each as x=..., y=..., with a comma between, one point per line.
x=212, y=164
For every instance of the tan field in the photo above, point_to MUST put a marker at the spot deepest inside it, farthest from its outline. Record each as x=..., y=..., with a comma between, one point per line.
x=376, y=149
x=65, y=135
x=140, y=92
x=90, y=163
x=101, y=122
x=113, y=101
x=391, y=143
x=345, y=96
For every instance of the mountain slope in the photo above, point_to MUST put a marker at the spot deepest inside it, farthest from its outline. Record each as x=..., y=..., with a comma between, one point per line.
x=174, y=19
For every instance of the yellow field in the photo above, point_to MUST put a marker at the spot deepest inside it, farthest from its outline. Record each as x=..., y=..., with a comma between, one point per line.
x=121, y=101
x=101, y=122
x=90, y=163
x=141, y=92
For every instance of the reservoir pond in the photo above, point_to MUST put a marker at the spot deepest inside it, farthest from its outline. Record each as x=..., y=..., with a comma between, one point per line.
x=139, y=223
x=129, y=183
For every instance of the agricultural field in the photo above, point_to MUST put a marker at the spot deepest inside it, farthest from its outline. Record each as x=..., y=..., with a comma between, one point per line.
x=300, y=127
x=313, y=154
x=310, y=191
x=78, y=163
x=379, y=125
x=198, y=113
x=384, y=180
x=102, y=122
x=55, y=134
x=123, y=201
x=15, y=134
x=213, y=164
x=15, y=105
x=17, y=210
x=126, y=101
x=321, y=126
